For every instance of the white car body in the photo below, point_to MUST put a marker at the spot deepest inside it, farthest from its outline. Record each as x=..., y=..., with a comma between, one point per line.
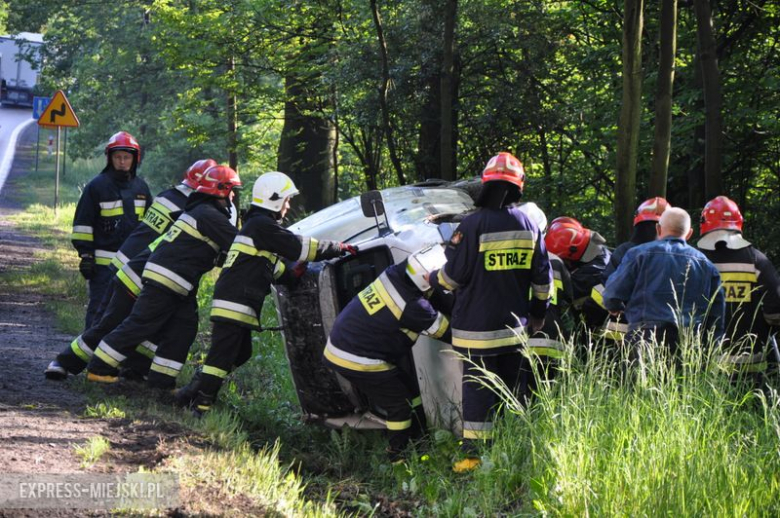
x=415, y=216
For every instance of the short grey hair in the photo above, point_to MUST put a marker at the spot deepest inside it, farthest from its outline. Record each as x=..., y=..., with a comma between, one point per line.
x=675, y=221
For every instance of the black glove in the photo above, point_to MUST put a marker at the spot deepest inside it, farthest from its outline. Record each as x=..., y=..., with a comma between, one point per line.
x=87, y=266
x=346, y=248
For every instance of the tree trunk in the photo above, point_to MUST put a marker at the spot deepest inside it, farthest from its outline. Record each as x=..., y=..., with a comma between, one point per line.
x=628, y=125
x=713, y=100
x=448, y=151
x=306, y=146
x=232, y=119
x=428, y=160
x=667, y=40
x=383, y=92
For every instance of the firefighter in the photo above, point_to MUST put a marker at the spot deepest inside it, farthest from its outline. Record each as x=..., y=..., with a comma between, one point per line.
x=647, y=215
x=585, y=255
x=498, y=266
x=110, y=207
x=165, y=209
x=751, y=287
x=548, y=344
x=393, y=307
x=167, y=302
x=256, y=259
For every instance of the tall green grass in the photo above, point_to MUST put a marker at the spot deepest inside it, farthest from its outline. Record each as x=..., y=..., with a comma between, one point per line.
x=656, y=438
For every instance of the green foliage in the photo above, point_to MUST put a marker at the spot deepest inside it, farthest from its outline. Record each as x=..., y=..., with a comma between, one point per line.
x=91, y=451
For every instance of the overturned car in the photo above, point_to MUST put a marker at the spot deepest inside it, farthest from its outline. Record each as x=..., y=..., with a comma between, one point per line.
x=387, y=226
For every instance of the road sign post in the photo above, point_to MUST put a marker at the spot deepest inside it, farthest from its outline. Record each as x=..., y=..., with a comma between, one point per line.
x=39, y=105
x=58, y=113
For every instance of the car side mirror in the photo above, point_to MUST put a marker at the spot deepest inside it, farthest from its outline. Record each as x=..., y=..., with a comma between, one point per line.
x=372, y=205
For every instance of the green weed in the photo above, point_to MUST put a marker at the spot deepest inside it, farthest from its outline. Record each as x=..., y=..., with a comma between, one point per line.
x=91, y=451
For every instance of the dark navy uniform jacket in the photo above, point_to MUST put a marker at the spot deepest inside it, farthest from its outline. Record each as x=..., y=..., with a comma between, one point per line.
x=107, y=212
x=190, y=247
x=752, y=291
x=499, y=266
x=548, y=341
x=165, y=209
x=380, y=325
x=255, y=260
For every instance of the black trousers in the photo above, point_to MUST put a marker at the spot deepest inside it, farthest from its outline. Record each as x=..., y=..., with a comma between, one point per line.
x=158, y=312
x=96, y=289
x=395, y=393
x=480, y=402
x=231, y=347
x=75, y=357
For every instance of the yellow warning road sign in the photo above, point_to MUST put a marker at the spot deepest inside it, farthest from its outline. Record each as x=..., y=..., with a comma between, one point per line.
x=59, y=113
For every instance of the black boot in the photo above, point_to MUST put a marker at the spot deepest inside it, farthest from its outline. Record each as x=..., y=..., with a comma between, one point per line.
x=202, y=403
x=187, y=394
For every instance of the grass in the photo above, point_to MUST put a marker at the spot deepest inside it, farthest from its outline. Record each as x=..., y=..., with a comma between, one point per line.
x=667, y=440
x=91, y=451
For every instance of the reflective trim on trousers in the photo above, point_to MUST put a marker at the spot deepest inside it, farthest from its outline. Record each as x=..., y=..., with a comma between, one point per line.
x=354, y=362
x=167, y=367
x=477, y=430
x=81, y=349
x=110, y=356
x=487, y=339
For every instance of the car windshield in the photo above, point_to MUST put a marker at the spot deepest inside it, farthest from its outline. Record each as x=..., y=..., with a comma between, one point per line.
x=405, y=206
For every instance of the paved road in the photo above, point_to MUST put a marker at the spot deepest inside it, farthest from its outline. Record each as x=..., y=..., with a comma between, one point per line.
x=12, y=122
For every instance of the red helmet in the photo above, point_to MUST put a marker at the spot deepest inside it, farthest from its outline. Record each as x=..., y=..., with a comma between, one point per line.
x=567, y=238
x=193, y=175
x=650, y=210
x=504, y=167
x=218, y=181
x=123, y=141
x=720, y=213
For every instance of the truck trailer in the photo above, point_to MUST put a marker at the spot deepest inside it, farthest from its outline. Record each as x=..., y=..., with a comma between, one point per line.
x=20, y=61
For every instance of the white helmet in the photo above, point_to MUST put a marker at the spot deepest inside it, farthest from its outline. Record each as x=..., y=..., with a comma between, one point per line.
x=271, y=189
x=535, y=214
x=424, y=262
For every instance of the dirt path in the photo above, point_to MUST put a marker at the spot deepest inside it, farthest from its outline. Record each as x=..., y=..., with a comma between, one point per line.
x=41, y=420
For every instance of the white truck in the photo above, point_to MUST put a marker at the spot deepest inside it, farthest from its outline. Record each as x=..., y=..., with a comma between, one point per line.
x=20, y=61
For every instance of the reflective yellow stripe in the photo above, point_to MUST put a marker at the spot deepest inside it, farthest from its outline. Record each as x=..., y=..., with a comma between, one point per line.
x=75, y=346
x=738, y=277
x=108, y=213
x=441, y=324
x=475, y=430
x=234, y=315
x=446, y=281
x=486, y=339
x=597, y=295
x=214, y=371
x=383, y=293
x=399, y=425
x=128, y=283
x=100, y=353
x=103, y=261
x=355, y=366
x=80, y=236
x=145, y=351
x=165, y=281
x=526, y=244
x=416, y=402
x=411, y=334
x=313, y=243
x=162, y=369
x=188, y=225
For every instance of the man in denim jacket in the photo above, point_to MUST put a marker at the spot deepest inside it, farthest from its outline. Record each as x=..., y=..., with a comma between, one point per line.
x=667, y=285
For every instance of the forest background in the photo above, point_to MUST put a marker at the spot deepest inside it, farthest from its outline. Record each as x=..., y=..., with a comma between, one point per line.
x=606, y=102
